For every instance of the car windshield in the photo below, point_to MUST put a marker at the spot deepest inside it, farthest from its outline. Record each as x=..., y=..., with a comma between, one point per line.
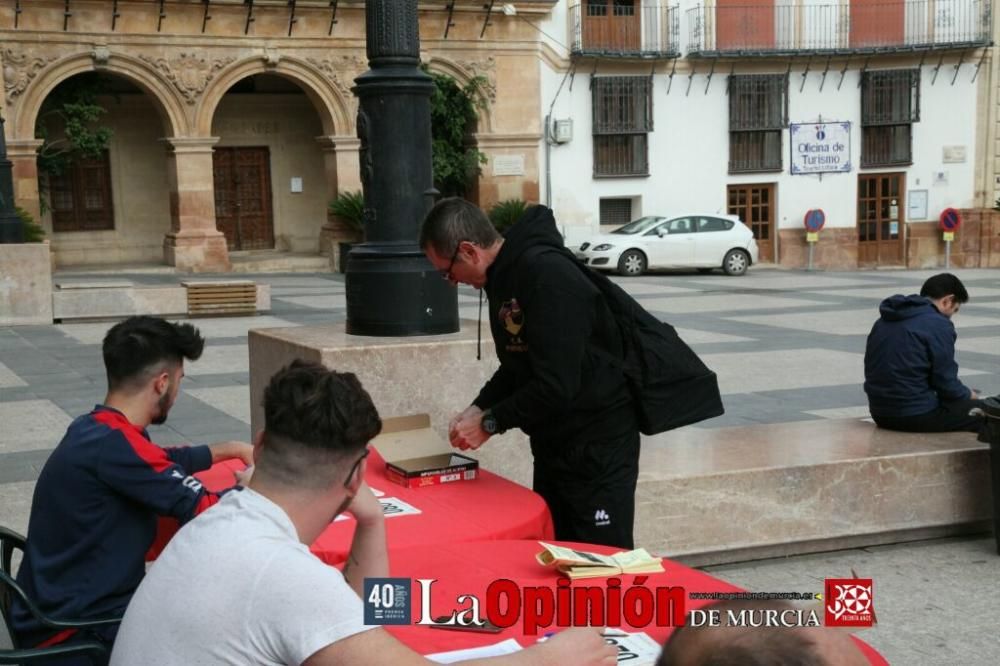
x=639, y=226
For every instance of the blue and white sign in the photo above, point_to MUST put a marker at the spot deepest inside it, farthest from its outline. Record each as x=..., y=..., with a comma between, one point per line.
x=820, y=147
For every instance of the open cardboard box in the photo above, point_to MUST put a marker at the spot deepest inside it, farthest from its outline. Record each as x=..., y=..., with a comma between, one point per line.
x=416, y=456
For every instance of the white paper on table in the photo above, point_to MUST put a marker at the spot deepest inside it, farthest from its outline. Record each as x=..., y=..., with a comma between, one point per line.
x=509, y=646
x=635, y=649
x=393, y=506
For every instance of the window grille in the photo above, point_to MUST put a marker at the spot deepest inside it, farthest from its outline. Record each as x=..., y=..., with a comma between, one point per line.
x=890, y=104
x=758, y=111
x=616, y=212
x=622, y=119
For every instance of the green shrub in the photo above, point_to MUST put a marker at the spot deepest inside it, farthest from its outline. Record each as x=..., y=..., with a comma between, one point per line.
x=31, y=231
x=504, y=214
x=350, y=207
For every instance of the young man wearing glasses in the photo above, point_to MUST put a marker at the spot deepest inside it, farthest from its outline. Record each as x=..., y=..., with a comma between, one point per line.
x=239, y=585
x=556, y=340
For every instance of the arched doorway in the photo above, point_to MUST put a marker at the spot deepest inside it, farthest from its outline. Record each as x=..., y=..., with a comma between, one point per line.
x=104, y=193
x=271, y=179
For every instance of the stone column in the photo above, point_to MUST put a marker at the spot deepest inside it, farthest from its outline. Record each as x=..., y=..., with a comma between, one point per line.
x=23, y=153
x=340, y=161
x=193, y=244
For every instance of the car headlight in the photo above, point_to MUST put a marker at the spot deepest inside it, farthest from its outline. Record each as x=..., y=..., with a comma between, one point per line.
x=603, y=247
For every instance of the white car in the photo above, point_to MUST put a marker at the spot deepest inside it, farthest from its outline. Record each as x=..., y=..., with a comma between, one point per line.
x=690, y=241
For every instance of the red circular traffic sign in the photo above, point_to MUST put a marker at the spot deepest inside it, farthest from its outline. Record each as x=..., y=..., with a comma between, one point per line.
x=815, y=219
x=950, y=220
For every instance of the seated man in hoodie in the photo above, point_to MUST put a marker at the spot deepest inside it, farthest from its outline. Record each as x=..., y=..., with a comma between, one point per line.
x=911, y=376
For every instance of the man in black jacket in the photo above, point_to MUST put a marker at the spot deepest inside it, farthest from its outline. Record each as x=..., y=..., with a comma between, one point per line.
x=556, y=381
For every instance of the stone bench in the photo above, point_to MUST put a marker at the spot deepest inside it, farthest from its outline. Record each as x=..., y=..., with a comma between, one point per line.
x=712, y=495
x=75, y=299
x=705, y=495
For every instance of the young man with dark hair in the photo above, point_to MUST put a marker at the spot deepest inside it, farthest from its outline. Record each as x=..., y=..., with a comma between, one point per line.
x=96, y=502
x=911, y=376
x=558, y=380
x=239, y=585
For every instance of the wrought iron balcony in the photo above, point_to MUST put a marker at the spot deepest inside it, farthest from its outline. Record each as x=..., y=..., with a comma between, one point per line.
x=732, y=27
x=616, y=29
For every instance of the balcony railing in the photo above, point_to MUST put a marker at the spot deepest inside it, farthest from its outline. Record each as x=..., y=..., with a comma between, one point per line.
x=860, y=26
x=623, y=30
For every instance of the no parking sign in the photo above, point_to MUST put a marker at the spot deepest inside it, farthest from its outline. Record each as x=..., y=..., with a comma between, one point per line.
x=950, y=220
x=815, y=219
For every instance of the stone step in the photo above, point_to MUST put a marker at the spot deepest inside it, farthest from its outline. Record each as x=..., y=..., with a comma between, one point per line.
x=713, y=495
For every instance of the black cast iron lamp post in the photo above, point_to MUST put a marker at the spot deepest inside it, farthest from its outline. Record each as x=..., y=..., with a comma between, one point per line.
x=392, y=289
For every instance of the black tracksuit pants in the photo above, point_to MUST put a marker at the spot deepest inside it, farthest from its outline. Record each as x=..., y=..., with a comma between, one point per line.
x=588, y=479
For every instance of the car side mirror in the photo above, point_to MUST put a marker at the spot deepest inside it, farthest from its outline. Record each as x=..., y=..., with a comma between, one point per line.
x=662, y=231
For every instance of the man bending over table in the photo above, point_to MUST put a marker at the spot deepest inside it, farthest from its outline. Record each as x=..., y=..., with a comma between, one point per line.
x=95, y=507
x=239, y=585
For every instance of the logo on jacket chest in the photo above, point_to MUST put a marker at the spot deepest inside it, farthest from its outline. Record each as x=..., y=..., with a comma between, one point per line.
x=512, y=319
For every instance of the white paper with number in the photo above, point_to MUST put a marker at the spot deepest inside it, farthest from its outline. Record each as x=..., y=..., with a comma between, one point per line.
x=509, y=646
x=635, y=649
x=393, y=506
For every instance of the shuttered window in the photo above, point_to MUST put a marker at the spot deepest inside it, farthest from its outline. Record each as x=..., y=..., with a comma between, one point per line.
x=623, y=118
x=758, y=111
x=890, y=104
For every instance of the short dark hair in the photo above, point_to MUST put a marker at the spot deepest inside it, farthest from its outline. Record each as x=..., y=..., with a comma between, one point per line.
x=945, y=284
x=452, y=221
x=314, y=417
x=132, y=347
x=757, y=646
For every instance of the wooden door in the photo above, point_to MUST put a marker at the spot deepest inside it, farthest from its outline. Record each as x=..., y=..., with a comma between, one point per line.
x=877, y=23
x=880, y=221
x=611, y=25
x=756, y=207
x=744, y=25
x=243, y=210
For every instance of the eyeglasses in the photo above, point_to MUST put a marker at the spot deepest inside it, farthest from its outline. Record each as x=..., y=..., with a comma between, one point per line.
x=354, y=468
x=446, y=274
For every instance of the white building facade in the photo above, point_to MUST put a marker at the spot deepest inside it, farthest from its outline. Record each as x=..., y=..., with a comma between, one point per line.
x=769, y=109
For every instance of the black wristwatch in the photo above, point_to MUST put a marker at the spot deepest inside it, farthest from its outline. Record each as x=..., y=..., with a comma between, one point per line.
x=489, y=423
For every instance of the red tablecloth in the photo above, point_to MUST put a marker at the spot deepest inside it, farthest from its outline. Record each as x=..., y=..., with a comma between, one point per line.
x=469, y=568
x=489, y=507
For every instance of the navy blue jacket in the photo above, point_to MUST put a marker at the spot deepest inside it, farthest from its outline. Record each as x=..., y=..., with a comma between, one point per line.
x=94, y=516
x=910, y=363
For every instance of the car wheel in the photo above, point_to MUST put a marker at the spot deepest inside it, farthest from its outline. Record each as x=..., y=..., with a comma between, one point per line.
x=632, y=263
x=736, y=262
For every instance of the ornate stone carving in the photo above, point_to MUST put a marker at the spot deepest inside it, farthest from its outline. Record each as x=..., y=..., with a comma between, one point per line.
x=18, y=71
x=271, y=59
x=486, y=68
x=341, y=72
x=189, y=73
x=101, y=55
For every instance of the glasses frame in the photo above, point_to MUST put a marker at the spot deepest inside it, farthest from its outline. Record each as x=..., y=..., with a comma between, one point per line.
x=446, y=274
x=355, y=467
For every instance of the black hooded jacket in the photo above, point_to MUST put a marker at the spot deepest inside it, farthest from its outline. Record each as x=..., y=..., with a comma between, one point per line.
x=549, y=324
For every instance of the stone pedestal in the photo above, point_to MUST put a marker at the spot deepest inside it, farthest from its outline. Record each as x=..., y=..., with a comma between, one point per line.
x=438, y=375
x=23, y=155
x=193, y=244
x=25, y=284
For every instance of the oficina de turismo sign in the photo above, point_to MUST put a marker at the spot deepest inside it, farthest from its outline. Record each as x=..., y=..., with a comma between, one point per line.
x=820, y=147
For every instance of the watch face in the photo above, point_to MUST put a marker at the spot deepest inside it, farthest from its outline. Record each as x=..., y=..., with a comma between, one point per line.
x=489, y=424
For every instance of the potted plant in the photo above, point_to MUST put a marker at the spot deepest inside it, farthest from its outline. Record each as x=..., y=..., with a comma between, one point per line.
x=346, y=227
x=504, y=214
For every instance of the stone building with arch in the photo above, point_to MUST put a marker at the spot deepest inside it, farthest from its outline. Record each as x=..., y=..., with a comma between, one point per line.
x=233, y=122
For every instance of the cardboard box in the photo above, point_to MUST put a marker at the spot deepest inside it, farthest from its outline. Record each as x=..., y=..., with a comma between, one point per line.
x=416, y=456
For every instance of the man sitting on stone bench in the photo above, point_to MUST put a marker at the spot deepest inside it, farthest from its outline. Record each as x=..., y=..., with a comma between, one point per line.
x=911, y=376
